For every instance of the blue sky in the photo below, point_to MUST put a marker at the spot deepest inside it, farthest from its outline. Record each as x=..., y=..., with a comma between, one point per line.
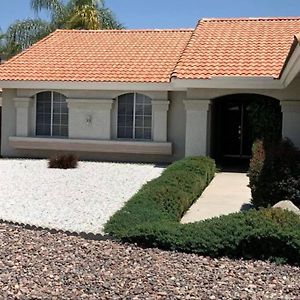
x=169, y=13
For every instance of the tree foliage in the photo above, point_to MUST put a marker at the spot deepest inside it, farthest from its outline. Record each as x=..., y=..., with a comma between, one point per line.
x=74, y=14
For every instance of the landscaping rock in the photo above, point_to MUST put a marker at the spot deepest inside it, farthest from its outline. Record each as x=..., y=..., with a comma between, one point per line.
x=288, y=205
x=41, y=265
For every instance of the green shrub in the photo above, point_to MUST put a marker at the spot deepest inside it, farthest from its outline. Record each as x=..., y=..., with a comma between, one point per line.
x=274, y=173
x=63, y=161
x=167, y=197
x=151, y=218
x=265, y=119
x=268, y=234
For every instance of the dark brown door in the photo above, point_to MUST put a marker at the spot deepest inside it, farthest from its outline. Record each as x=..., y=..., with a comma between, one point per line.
x=235, y=131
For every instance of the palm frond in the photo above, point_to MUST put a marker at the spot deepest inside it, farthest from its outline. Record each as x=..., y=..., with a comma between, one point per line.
x=26, y=32
x=84, y=17
x=109, y=20
x=55, y=6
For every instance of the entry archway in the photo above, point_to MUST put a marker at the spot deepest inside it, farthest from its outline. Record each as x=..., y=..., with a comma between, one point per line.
x=232, y=129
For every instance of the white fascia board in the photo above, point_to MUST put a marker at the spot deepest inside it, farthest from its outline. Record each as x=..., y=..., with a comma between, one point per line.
x=292, y=69
x=68, y=85
x=229, y=83
x=174, y=85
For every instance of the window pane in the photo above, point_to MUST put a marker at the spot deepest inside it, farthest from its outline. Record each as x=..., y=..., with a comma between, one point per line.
x=121, y=120
x=147, y=134
x=125, y=116
x=139, y=133
x=43, y=115
x=129, y=132
x=139, y=110
x=139, y=122
x=121, y=132
x=58, y=110
x=147, y=122
x=129, y=121
x=148, y=110
x=142, y=114
x=43, y=129
x=64, y=131
x=56, y=119
x=64, y=119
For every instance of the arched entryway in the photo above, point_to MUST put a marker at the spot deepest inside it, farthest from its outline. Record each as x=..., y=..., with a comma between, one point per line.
x=233, y=124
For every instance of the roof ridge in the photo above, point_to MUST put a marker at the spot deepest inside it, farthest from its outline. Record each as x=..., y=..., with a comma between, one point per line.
x=250, y=19
x=174, y=71
x=124, y=30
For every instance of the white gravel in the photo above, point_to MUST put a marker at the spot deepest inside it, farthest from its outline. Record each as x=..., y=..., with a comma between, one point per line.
x=77, y=200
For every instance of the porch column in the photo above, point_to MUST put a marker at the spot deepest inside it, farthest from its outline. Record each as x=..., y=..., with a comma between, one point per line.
x=22, y=116
x=196, y=127
x=160, y=119
x=90, y=118
x=291, y=120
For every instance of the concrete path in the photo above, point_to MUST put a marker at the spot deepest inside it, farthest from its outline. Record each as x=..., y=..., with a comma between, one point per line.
x=227, y=193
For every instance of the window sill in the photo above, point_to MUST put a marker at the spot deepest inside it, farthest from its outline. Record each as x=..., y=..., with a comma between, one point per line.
x=107, y=146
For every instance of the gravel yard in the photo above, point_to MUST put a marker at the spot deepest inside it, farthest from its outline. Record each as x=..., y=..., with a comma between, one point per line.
x=77, y=200
x=41, y=265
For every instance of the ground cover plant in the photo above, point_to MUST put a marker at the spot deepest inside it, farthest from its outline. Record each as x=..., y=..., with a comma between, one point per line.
x=151, y=218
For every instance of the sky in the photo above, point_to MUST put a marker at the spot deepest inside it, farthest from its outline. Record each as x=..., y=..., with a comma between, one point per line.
x=167, y=13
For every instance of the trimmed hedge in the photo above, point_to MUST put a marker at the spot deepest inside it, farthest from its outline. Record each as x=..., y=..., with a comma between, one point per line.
x=268, y=234
x=151, y=218
x=165, y=198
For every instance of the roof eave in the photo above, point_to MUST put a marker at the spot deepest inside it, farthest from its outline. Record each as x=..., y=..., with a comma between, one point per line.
x=291, y=66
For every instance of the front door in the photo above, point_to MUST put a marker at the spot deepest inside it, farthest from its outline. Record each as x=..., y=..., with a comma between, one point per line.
x=236, y=140
x=232, y=130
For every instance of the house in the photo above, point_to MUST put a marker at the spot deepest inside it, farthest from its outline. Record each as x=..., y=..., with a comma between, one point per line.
x=150, y=95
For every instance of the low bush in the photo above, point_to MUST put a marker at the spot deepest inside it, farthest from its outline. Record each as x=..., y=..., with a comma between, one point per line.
x=267, y=234
x=151, y=218
x=274, y=173
x=63, y=161
x=165, y=198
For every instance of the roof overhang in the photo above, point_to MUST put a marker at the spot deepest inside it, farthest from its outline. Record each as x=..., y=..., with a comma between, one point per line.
x=235, y=82
x=291, y=67
x=174, y=85
x=72, y=85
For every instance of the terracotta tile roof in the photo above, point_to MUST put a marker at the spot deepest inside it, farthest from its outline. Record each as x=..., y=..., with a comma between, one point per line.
x=238, y=47
x=217, y=47
x=100, y=56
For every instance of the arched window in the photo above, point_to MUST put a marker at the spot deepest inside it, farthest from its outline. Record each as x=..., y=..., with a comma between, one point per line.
x=51, y=114
x=134, y=117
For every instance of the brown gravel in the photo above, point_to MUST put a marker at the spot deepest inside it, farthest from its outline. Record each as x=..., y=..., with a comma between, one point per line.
x=41, y=265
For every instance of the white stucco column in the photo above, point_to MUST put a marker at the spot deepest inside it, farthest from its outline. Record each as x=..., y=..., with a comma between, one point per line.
x=22, y=116
x=90, y=118
x=196, y=127
x=291, y=120
x=160, y=120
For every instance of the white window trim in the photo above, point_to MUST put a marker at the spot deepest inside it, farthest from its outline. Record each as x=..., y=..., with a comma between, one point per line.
x=134, y=112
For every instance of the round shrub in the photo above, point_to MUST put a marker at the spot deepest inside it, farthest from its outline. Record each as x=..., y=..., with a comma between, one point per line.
x=63, y=161
x=274, y=173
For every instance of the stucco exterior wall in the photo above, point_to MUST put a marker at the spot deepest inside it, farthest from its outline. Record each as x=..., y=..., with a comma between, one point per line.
x=184, y=111
x=101, y=108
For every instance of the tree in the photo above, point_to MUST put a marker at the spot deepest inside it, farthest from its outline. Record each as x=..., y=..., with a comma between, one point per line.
x=75, y=14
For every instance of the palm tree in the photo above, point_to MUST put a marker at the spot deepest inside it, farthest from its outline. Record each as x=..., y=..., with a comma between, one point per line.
x=75, y=14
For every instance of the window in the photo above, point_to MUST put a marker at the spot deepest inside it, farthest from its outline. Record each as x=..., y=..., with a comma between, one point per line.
x=134, y=117
x=51, y=114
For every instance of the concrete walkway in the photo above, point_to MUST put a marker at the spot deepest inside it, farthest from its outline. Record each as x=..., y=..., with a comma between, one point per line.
x=227, y=193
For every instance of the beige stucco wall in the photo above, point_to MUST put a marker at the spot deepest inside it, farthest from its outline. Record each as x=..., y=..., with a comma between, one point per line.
x=101, y=107
x=185, y=138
